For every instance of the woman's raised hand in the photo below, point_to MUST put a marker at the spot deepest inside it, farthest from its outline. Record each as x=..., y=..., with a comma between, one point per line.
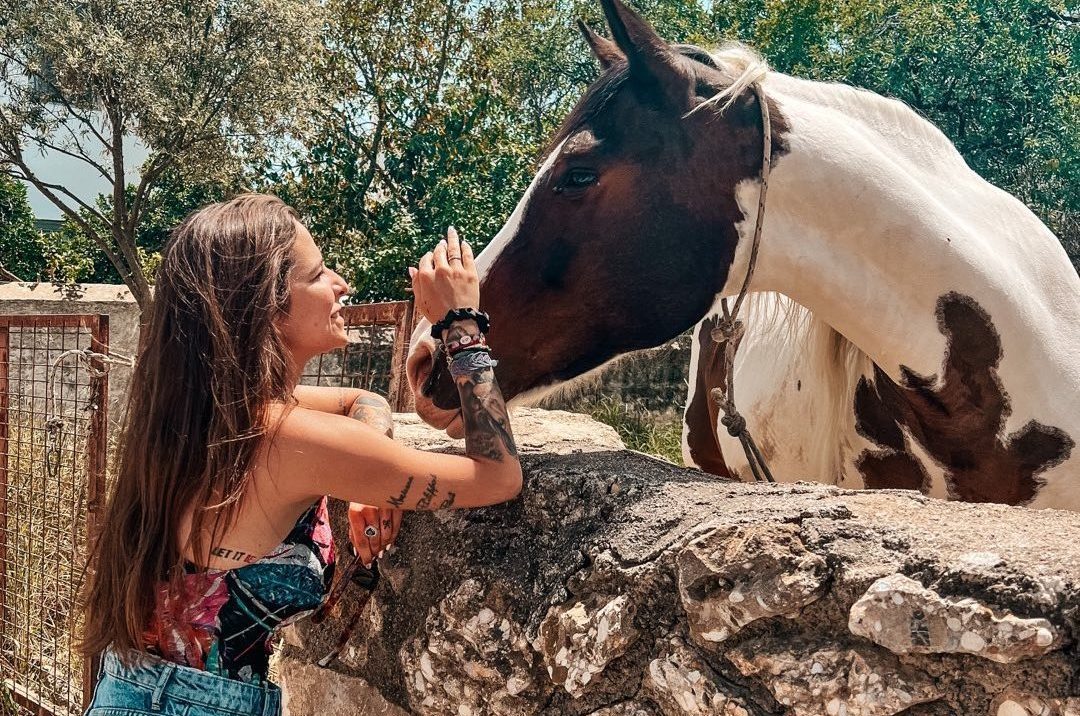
x=445, y=279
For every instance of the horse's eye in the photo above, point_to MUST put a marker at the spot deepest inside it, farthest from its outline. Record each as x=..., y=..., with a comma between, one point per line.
x=577, y=180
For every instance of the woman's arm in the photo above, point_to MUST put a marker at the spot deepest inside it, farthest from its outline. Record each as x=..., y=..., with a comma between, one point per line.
x=363, y=405
x=319, y=453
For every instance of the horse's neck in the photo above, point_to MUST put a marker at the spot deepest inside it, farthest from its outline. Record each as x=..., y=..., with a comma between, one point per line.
x=872, y=219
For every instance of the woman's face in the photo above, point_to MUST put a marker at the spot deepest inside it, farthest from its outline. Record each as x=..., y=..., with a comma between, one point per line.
x=314, y=323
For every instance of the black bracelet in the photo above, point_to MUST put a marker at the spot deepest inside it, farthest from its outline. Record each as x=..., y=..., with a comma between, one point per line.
x=483, y=321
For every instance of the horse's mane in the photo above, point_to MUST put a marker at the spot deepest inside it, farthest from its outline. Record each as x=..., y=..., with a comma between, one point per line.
x=831, y=361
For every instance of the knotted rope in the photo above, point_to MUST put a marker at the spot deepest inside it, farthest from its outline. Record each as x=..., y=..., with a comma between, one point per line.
x=730, y=330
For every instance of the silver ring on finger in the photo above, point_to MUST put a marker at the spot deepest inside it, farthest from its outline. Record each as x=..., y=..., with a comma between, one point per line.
x=370, y=531
x=454, y=258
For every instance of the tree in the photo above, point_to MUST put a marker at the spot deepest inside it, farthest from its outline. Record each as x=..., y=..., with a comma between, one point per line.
x=70, y=256
x=20, y=241
x=1001, y=78
x=205, y=86
x=444, y=107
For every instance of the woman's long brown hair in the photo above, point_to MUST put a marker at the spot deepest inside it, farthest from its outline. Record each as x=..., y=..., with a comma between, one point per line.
x=210, y=362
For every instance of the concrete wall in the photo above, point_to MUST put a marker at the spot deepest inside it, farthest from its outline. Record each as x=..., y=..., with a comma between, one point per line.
x=18, y=298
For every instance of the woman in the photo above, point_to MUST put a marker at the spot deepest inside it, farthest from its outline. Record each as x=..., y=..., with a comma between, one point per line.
x=217, y=532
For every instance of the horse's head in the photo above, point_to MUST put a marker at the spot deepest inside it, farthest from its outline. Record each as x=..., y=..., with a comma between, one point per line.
x=628, y=231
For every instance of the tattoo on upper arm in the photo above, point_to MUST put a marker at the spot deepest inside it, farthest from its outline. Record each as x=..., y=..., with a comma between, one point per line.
x=400, y=499
x=374, y=411
x=487, y=421
x=341, y=401
x=429, y=494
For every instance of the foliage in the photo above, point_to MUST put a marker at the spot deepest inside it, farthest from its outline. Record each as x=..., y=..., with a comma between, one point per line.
x=434, y=112
x=70, y=256
x=20, y=241
x=1001, y=78
x=646, y=431
x=202, y=84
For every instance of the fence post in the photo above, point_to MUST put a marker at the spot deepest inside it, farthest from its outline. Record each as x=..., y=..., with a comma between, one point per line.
x=97, y=447
x=400, y=395
x=4, y=343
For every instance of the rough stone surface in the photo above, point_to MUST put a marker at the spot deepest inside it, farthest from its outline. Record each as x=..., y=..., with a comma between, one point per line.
x=591, y=528
x=552, y=432
x=906, y=618
x=731, y=577
x=577, y=641
x=1017, y=703
x=315, y=690
x=681, y=684
x=811, y=680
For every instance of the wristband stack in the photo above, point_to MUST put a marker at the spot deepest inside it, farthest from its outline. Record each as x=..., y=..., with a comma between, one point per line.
x=469, y=352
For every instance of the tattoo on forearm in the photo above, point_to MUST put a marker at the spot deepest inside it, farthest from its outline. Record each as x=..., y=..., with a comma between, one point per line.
x=400, y=499
x=448, y=502
x=234, y=554
x=373, y=411
x=429, y=494
x=487, y=422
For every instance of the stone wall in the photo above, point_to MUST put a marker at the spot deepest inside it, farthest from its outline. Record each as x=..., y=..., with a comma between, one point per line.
x=621, y=585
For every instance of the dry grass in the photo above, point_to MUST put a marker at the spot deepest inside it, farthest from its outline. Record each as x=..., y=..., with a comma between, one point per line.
x=45, y=544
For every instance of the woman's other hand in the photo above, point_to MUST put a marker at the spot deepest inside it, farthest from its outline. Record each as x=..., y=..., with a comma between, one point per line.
x=372, y=530
x=445, y=279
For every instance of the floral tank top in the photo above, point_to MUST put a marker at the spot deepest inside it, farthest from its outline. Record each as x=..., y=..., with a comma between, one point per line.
x=223, y=619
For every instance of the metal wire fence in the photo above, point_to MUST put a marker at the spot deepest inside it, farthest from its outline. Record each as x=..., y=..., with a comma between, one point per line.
x=375, y=357
x=53, y=403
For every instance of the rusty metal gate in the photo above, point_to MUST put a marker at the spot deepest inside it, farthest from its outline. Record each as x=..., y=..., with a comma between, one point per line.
x=375, y=357
x=53, y=402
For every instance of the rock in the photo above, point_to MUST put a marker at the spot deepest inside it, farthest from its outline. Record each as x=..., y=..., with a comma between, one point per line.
x=458, y=618
x=812, y=680
x=1018, y=703
x=729, y=578
x=626, y=708
x=906, y=618
x=553, y=432
x=470, y=659
x=681, y=684
x=311, y=689
x=577, y=641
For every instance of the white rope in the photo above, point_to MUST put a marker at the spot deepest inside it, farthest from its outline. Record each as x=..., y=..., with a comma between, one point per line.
x=54, y=422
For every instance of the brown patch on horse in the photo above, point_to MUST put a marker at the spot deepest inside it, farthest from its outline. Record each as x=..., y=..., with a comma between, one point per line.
x=701, y=411
x=636, y=259
x=959, y=421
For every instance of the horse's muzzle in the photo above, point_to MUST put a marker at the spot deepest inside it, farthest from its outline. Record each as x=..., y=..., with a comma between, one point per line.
x=434, y=391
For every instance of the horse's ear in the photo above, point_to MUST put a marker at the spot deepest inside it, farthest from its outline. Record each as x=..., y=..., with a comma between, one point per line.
x=606, y=51
x=648, y=54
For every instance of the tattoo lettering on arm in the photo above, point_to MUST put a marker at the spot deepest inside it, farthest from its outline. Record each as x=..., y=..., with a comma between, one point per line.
x=448, y=502
x=372, y=410
x=400, y=499
x=429, y=494
x=487, y=421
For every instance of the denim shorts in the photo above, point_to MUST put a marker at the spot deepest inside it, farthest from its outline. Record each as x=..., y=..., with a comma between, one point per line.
x=149, y=686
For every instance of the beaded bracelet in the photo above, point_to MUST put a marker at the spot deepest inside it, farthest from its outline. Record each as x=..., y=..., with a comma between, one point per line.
x=469, y=340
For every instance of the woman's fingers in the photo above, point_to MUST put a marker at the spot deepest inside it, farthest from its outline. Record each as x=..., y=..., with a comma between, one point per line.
x=467, y=257
x=358, y=523
x=453, y=247
x=427, y=262
x=439, y=257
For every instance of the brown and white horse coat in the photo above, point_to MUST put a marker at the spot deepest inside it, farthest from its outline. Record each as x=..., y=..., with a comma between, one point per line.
x=912, y=325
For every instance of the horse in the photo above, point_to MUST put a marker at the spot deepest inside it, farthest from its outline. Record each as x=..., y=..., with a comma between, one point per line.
x=908, y=324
